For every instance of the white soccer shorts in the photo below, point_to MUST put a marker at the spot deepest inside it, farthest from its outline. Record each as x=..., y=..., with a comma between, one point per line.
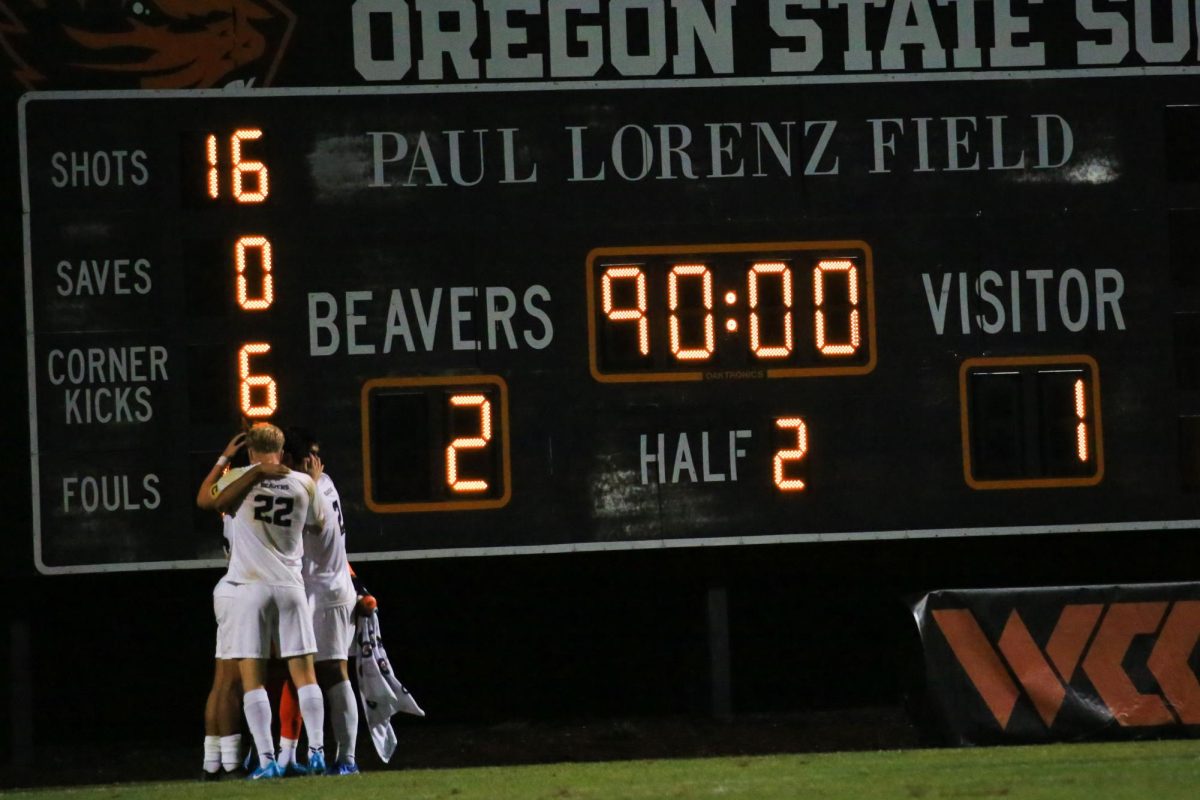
x=221, y=610
x=263, y=615
x=334, y=629
x=223, y=595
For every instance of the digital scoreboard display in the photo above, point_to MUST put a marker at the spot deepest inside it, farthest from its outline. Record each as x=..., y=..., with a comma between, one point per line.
x=533, y=318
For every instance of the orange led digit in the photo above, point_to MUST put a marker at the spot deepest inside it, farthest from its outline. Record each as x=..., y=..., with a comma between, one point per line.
x=784, y=349
x=1081, y=431
x=248, y=383
x=242, y=168
x=453, y=480
x=638, y=314
x=823, y=267
x=785, y=457
x=267, y=296
x=210, y=151
x=706, y=283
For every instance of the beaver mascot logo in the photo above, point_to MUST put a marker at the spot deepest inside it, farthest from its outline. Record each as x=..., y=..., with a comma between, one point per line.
x=143, y=44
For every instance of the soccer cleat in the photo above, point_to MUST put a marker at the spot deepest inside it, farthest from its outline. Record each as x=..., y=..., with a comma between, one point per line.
x=271, y=770
x=344, y=768
x=316, y=763
x=205, y=775
x=294, y=770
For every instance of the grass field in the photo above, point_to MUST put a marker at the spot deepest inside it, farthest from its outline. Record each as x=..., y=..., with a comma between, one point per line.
x=1138, y=771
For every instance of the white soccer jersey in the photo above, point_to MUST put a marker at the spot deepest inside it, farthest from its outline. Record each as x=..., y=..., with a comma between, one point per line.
x=225, y=587
x=326, y=570
x=267, y=530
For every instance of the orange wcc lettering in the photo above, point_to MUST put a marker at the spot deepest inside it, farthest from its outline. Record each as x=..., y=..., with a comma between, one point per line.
x=1103, y=665
x=1044, y=681
x=1168, y=661
x=1046, y=677
x=979, y=659
x=1046, y=686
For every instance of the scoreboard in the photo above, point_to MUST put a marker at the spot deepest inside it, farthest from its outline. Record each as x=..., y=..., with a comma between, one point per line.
x=533, y=318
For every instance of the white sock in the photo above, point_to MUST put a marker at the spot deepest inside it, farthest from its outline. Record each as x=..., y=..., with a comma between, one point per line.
x=257, y=706
x=344, y=712
x=231, y=751
x=212, y=753
x=312, y=708
x=287, y=751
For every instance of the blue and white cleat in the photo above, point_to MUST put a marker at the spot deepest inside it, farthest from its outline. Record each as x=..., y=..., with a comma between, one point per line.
x=316, y=763
x=344, y=768
x=271, y=770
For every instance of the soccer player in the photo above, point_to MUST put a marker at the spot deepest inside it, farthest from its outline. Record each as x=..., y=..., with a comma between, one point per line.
x=222, y=716
x=332, y=597
x=269, y=604
x=290, y=722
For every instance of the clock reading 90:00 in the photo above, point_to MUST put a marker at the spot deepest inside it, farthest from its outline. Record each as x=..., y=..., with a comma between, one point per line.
x=775, y=310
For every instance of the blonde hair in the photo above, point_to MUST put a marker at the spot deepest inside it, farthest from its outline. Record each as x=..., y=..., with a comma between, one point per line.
x=263, y=437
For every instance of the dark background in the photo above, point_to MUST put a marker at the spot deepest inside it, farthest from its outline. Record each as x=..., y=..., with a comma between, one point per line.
x=487, y=641
x=565, y=639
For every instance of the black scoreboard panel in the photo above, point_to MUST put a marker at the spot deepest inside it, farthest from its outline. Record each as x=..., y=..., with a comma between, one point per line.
x=527, y=318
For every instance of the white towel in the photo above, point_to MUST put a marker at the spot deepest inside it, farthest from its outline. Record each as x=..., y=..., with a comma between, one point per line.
x=381, y=691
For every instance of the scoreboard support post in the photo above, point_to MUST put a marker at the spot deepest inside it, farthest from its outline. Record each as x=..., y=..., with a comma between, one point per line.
x=20, y=694
x=720, y=671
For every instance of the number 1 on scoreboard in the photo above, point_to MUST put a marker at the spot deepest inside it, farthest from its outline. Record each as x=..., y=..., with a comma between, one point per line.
x=1031, y=422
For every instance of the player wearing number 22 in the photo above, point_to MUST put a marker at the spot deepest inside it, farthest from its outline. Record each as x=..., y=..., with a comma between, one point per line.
x=269, y=603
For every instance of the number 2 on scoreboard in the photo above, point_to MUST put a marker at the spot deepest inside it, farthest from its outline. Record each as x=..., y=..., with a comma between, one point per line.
x=435, y=443
x=791, y=455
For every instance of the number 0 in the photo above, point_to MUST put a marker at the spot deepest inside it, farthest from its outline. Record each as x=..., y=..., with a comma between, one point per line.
x=678, y=272
x=849, y=347
x=267, y=296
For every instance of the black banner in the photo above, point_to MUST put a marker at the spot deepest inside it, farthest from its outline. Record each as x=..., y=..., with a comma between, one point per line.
x=1062, y=663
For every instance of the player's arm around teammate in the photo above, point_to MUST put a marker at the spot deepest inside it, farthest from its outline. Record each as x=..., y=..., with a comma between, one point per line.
x=270, y=604
x=206, y=495
x=228, y=499
x=222, y=712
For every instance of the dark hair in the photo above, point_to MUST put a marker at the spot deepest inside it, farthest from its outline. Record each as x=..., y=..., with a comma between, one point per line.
x=298, y=443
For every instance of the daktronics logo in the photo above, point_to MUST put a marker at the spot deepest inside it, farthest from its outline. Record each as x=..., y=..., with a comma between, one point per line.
x=1094, y=639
